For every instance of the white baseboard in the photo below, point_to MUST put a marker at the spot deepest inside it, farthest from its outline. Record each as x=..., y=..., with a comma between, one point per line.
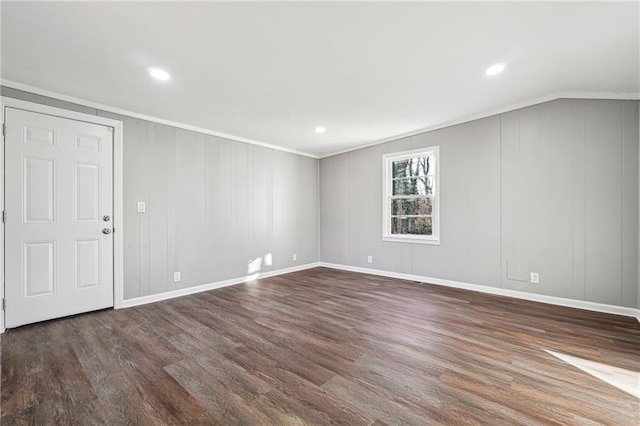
x=580, y=304
x=552, y=300
x=206, y=287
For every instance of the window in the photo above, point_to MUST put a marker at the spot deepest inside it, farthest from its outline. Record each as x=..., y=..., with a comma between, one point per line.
x=411, y=196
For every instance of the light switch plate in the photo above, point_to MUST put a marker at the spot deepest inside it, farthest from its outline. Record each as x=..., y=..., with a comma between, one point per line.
x=141, y=207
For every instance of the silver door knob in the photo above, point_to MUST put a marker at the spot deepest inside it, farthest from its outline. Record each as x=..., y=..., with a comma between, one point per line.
x=106, y=230
x=106, y=218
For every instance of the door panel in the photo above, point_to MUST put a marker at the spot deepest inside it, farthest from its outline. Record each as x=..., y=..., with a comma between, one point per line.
x=58, y=179
x=87, y=198
x=38, y=136
x=38, y=190
x=87, y=264
x=39, y=268
x=88, y=142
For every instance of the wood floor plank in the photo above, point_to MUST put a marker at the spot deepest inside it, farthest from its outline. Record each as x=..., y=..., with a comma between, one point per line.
x=322, y=347
x=227, y=408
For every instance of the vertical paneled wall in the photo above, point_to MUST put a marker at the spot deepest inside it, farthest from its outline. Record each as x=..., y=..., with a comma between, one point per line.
x=570, y=199
x=351, y=207
x=638, y=305
x=551, y=189
x=216, y=209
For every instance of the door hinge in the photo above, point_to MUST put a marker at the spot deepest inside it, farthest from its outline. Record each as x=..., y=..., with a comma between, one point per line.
x=4, y=216
x=4, y=129
x=4, y=304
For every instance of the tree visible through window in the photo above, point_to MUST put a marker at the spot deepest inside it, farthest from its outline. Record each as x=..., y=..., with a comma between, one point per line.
x=411, y=196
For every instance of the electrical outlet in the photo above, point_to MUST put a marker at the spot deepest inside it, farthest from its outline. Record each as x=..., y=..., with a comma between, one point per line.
x=535, y=278
x=295, y=257
x=369, y=259
x=141, y=207
x=176, y=277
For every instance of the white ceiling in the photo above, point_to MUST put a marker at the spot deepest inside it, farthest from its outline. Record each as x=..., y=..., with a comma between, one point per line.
x=271, y=72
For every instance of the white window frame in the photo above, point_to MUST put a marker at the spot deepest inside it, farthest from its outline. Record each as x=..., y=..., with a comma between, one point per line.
x=387, y=193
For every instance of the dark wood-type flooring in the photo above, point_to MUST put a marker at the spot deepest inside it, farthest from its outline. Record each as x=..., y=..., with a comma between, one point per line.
x=320, y=347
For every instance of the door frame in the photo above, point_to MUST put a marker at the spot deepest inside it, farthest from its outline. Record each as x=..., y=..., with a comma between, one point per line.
x=118, y=241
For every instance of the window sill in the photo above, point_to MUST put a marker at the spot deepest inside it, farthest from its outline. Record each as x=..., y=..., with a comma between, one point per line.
x=411, y=240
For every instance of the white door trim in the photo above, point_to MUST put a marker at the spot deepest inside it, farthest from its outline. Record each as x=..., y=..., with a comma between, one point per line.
x=118, y=247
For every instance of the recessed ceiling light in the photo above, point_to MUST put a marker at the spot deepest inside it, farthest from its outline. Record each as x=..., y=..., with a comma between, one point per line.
x=496, y=69
x=159, y=74
x=320, y=129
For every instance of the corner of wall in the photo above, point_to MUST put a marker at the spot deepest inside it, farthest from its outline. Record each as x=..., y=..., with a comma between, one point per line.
x=319, y=211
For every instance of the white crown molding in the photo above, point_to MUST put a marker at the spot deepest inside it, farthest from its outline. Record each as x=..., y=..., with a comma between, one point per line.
x=128, y=303
x=84, y=102
x=624, y=96
x=501, y=110
x=551, y=300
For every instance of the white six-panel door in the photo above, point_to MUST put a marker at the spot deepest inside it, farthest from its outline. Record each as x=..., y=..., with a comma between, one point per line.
x=59, y=206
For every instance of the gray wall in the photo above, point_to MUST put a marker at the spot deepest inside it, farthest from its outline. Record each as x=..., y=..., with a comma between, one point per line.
x=213, y=205
x=552, y=189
